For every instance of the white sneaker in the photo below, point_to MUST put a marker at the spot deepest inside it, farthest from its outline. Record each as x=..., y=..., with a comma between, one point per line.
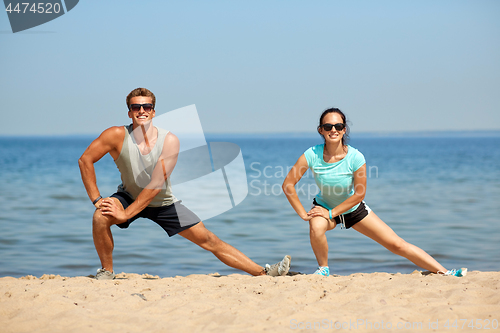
x=103, y=274
x=455, y=272
x=279, y=269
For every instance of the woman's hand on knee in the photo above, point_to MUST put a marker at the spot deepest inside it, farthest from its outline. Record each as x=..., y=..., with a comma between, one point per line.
x=306, y=217
x=318, y=211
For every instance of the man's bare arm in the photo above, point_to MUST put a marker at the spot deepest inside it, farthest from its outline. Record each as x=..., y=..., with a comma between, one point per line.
x=110, y=141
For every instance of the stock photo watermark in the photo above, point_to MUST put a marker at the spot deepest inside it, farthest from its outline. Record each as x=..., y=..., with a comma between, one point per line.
x=438, y=324
x=267, y=181
x=25, y=15
x=215, y=170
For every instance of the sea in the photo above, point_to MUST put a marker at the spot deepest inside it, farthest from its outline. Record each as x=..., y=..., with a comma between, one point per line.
x=439, y=192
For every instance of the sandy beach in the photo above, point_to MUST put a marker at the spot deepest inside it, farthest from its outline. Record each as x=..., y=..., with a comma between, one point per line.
x=416, y=302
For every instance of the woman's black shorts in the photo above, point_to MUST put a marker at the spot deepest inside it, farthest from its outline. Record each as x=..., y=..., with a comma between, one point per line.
x=350, y=219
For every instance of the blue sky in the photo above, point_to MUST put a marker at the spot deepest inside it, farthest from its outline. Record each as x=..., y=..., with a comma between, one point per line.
x=257, y=66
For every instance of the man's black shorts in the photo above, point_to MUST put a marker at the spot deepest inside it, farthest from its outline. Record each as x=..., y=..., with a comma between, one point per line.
x=173, y=218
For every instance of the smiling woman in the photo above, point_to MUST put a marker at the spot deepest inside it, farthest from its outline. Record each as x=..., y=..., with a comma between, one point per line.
x=340, y=173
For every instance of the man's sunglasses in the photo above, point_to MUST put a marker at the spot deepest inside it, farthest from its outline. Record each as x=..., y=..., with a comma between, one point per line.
x=137, y=107
x=328, y=127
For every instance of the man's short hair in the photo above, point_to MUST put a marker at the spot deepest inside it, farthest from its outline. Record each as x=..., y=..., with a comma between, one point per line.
x=141, y=92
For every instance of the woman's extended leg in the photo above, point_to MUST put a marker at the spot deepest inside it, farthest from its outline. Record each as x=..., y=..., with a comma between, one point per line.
x=372, y=226
x=317, y=228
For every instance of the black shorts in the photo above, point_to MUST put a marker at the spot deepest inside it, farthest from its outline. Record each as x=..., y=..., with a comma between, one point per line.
x=173, y=218
x=350, y=219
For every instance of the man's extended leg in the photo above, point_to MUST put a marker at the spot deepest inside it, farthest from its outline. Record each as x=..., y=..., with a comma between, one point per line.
x=226, y=253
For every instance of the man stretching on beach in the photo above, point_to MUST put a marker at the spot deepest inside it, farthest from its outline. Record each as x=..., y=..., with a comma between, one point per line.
x=132, y=147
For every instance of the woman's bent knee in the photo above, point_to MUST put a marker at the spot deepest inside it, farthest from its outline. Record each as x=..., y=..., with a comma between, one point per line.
x=318, y=226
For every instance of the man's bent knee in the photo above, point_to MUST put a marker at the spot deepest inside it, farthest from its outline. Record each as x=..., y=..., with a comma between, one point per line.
x=102, y=220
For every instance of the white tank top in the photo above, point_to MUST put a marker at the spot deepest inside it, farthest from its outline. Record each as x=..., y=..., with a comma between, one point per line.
x=136, y=169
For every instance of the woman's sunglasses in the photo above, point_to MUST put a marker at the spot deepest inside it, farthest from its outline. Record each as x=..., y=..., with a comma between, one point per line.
x=328, y=127
x=137, y=107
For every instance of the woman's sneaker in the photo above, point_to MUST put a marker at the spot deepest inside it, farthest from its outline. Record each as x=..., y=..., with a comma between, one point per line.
x=279, y=269
x=324, y=271
x=103, y=274
x=455, y=272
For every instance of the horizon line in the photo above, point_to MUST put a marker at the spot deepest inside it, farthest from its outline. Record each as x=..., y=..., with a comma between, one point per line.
x=361, y=134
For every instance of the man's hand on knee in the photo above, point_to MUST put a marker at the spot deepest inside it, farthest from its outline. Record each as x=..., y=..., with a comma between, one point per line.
x=111, y=207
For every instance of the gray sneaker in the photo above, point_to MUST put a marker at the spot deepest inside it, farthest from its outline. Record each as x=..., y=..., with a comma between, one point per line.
x=279, y=269
x=103, y=274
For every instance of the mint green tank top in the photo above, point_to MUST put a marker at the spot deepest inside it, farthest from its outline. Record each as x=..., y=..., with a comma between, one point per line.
x=335, y=180
x=136, y=169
